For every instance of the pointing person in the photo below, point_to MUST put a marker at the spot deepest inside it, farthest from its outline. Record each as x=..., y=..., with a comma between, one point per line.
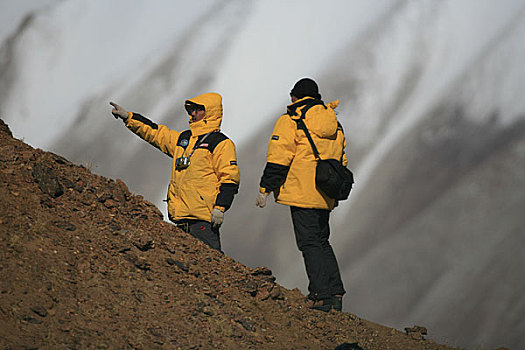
x=204, y=176
x=290, y=175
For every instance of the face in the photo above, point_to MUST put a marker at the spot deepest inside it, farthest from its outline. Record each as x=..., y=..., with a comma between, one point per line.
x=197, y=115
x=294, y=98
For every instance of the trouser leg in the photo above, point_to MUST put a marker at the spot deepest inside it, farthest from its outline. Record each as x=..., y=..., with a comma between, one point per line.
x=202, y=230
x=312, y=231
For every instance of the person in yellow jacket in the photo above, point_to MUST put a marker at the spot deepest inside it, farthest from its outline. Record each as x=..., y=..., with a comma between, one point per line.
x=205, y=175
x=290, y=175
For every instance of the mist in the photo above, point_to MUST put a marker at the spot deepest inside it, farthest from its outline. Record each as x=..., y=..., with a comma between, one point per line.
x=431, y=106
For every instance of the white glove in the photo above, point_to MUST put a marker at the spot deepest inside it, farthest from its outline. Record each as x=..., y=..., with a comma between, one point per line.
x=260, y=201
x=119, y=112
x=217, y=217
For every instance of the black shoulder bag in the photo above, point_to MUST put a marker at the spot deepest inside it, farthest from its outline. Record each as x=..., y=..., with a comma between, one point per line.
x=331, y=176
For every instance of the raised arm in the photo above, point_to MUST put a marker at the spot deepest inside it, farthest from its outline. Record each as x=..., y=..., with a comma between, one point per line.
x=157, y=135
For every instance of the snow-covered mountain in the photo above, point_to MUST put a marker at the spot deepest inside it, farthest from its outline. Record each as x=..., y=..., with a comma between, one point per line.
x=431, y=104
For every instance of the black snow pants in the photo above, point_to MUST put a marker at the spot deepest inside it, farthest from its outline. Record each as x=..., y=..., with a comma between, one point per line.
x=312, y=231
x=202, y=230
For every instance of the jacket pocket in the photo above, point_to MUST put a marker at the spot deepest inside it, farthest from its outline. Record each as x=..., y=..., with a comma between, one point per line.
x=205, y=199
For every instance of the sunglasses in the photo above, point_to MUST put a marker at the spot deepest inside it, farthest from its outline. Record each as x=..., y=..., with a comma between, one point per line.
x=192, y=107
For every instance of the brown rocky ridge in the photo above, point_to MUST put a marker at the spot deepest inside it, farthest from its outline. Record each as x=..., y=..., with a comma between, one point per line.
x=85, y=264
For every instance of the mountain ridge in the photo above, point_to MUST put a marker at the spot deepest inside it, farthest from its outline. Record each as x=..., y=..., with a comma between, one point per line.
x=87, y=264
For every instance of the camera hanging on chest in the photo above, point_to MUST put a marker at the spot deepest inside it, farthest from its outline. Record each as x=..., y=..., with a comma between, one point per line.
x=184, y=162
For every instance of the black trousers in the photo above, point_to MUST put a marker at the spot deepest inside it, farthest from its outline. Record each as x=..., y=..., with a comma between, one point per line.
x=202, y=230
x=312, y=231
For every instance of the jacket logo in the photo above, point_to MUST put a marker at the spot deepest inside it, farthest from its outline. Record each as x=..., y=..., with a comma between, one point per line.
x=204, y=145
x=275, y=137
x=233, y=162
x=184, y=142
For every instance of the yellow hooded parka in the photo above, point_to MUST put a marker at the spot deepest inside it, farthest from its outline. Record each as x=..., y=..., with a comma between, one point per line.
x=212, y=179
x=290, y=156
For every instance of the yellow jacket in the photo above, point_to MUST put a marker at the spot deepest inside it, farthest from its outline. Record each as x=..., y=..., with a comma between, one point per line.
x=291, y=164
x=212, y=179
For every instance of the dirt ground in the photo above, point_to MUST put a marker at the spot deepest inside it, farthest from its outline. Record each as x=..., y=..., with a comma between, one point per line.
x=85, y=264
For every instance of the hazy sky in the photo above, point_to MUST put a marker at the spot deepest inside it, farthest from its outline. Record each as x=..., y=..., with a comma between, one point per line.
x=267, y=54
x=392, y=66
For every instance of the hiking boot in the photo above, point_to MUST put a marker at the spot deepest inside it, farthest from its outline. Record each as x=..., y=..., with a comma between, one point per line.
x=338, y=302
x=322, y=305
x=334, y=302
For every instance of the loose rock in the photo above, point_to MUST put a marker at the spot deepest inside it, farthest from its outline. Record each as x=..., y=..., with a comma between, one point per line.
x=39, y=310
x=47, y=180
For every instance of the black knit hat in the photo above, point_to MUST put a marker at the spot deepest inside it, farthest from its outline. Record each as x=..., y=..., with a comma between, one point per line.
x=306, y=87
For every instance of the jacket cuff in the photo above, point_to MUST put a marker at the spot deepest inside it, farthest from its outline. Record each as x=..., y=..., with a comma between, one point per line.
x=225, y=196
x=130, y=116
x=223, y=209
x=264, y=190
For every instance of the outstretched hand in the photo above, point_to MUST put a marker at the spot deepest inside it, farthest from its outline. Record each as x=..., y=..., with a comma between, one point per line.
x=119, y=112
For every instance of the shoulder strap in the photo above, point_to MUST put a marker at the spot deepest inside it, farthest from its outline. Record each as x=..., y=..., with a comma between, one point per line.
x=340, y=127
x=185, y=135
x=302, y=126
x=198, y=143
x=309, y=103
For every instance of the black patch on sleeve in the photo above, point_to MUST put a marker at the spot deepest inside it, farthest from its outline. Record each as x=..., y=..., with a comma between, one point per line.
x=274, y=176
x=185, y=135
x=233, y=162
x=143, y=119
x=275, y=137
x=226, y=194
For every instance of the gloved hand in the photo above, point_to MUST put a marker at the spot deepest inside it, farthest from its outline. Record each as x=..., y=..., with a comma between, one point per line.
x=260, y=201
x=119, y=112
x=217, y=217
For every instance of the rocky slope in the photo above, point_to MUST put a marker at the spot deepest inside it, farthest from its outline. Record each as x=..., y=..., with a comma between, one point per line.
x=431, y=103
x=87, y=264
